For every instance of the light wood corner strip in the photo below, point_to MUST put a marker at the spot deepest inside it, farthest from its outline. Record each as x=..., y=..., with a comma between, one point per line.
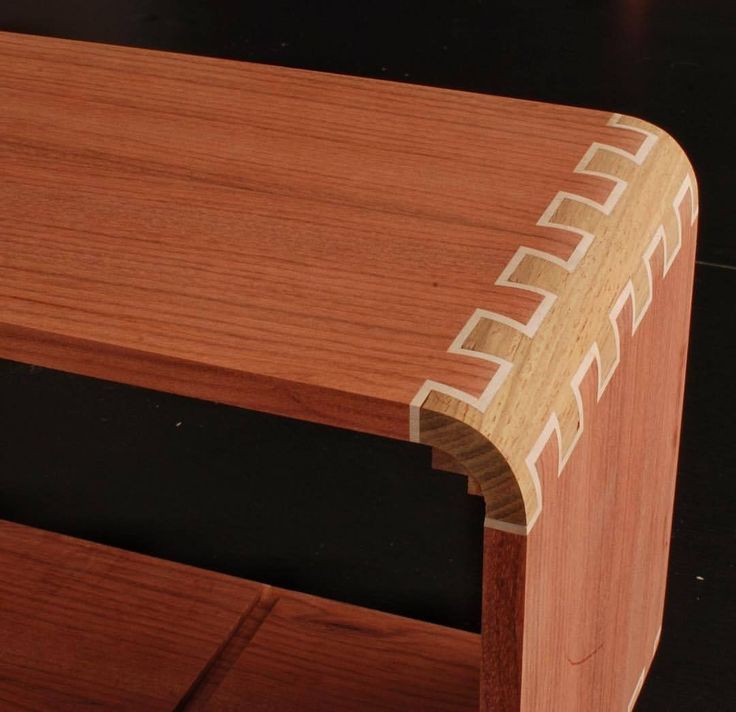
x=331, y=248
x=497, y=436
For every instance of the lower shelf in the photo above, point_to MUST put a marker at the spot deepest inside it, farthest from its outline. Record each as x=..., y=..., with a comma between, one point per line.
x=84, y=625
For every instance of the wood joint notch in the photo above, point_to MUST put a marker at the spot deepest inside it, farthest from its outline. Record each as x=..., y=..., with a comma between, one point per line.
x=497, y=437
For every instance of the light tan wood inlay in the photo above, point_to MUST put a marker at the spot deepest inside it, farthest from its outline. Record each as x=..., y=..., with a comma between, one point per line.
x=318, y=247
x=534, y=393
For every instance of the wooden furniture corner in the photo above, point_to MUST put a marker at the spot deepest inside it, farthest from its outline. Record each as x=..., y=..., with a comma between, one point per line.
x=506, y=282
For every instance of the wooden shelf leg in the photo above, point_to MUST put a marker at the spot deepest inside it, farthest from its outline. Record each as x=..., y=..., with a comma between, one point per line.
x=572, y=613
x=504, y=571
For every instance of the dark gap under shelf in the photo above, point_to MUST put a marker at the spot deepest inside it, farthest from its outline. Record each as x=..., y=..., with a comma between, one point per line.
x=330, y=512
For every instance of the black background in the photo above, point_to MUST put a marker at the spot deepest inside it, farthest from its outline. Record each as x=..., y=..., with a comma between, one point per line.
x=364, y=519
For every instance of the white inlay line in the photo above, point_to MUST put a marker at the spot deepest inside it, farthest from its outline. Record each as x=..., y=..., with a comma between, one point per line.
x=640, y=682
x=530, y=328
x=593, y=354
x=637, y=690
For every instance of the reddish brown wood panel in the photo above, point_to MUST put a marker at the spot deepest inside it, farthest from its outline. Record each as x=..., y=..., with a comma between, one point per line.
x=311, y=655
x=419, y=263
x=296, y=242
x=504, y=600
x=88, y=627
x=596, y=563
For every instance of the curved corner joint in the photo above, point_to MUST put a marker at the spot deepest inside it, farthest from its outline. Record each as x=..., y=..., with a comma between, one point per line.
x=533, y=400
x=512, y=498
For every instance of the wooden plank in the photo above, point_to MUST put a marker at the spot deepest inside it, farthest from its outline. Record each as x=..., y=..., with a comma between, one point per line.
x=86, y=626
x=496, y=434
x=503, y=622
x=460, y=270
x=309, y=654
x=594, y=569
x=415, y=262
x=284, y=240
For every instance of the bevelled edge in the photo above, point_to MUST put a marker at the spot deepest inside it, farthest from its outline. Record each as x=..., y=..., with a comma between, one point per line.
x=497, y=436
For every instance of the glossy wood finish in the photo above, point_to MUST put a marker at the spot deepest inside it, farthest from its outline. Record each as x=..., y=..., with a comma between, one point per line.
x=478, y=274
x=310, y=654
x=593, y=582
x=533, y=394
x=88, y=626
x=299, y=243
x=84, y=626
x=217, y=238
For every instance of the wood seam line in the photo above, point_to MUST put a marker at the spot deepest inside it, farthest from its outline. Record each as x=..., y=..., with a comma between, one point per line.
x=217, y=669
x=606, y=269
x=640, y=681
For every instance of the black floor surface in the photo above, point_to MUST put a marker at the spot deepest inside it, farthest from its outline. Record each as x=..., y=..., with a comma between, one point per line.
x=186, y=480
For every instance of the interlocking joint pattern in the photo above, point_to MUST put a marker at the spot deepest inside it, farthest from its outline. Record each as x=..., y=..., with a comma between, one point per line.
x=511, y=344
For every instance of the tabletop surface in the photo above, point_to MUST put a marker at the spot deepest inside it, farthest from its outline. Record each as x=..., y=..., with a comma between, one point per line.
x=312, y=243
x=668, y=61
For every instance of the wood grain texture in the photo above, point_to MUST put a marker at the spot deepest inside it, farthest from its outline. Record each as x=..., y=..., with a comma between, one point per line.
x=596, y=564
x=534, y=394
x=283, y=240
x=310, y=655
x=503, y=621
x=504, y=281
x=84, y=626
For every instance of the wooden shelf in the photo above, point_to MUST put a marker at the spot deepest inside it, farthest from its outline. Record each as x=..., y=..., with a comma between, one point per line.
x=84, y=625
x=506, y=282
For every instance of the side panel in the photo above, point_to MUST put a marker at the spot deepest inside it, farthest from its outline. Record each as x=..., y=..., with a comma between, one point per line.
x=596, y=562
